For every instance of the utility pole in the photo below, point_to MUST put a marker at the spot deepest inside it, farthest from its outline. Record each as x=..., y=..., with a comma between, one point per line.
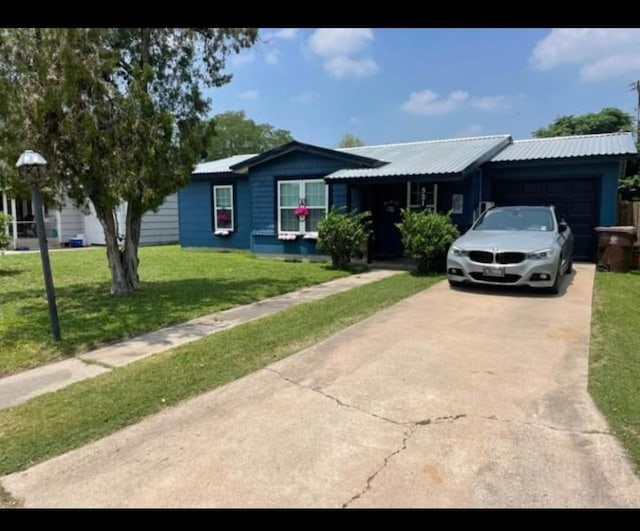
x=636, y=86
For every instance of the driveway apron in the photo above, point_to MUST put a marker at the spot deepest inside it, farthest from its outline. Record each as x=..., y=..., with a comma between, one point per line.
x=450, y=398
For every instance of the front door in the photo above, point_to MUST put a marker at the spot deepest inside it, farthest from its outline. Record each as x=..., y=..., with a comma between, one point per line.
x=386, y=202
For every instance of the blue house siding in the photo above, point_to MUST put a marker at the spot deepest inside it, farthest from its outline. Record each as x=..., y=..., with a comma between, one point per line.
x=195, y=206
x=338, y=195
x=264, y=196
x=606, y=171
x=583, y=188
x=470, y=192
x=295, y=165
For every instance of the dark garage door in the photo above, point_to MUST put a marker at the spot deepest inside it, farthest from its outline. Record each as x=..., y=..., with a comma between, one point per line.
x=576, y=200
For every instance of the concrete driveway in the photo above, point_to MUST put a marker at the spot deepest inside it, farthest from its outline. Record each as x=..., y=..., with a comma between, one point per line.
x=451, y=398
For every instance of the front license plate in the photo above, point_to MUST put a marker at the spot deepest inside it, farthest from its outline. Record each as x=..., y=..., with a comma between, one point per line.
x=492, y=271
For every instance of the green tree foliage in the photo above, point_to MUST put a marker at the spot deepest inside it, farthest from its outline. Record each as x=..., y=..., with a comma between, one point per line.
x=350, y=140
x=4, y=237
x=426, y=237
x=232, y=133
x=608, y=120
x=341, y=234
x=117, y=114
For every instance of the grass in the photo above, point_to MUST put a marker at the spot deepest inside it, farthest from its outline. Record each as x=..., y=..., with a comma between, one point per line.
x=614, y=379
x=177, y=285
x=55, y=423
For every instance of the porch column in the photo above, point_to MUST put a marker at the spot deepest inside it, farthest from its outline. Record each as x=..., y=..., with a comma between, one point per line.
x=14, y=219
x=59, y=226
x=5, y=209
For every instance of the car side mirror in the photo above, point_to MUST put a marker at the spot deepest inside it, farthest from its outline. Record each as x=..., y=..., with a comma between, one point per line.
x=562, y=226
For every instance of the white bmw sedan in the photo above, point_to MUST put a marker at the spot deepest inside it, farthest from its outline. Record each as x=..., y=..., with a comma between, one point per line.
x=515, y=246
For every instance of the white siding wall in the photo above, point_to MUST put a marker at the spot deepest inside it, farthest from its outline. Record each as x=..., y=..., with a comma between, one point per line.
x=157, y=227
x=71, y=221
x=161, y=226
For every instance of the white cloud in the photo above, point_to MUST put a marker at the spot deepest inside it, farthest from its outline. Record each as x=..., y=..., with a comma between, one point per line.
x=249, y=95
x=601, y=53
x=611, y=67
x=490, y=103
x=342, y=67
x=426, y=102
x=305, y=97
x=354, y=120
x=331, y=42
x=284, y=34
x=341, y=49
x=272, y=57
x=472, y=130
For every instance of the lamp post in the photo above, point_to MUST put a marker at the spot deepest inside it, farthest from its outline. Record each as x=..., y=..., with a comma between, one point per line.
x=31, y=164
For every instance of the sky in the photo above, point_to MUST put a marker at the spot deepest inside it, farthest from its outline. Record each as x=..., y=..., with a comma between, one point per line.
x=400, y=85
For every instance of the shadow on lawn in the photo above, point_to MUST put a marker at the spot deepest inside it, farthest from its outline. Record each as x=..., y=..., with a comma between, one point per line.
x=90, y=317
x=10, y=272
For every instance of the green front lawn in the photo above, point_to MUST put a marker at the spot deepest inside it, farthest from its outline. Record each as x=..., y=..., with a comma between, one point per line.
x=177, y=285
x=614, y=380
x=57, y=422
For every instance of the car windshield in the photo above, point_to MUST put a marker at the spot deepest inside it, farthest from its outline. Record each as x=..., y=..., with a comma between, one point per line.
x=529, y=219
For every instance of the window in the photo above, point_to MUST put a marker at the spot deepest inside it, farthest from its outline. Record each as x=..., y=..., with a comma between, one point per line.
x=421, y=196
x=291, y=195
x=223, y=208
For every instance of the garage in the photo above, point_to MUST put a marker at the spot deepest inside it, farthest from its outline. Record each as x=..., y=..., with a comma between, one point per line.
x=575, y=199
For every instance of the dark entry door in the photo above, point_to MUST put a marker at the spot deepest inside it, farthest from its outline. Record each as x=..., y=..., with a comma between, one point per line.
x=576, y=200
x=386, y=202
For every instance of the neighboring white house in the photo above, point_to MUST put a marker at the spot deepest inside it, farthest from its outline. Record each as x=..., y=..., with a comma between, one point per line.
x=69, y=223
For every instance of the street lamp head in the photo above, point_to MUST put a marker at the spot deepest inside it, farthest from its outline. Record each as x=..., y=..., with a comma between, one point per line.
x=30, y=158
x=31, y=165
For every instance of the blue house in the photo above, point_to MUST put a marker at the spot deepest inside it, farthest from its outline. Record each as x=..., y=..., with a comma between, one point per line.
x=250, y=201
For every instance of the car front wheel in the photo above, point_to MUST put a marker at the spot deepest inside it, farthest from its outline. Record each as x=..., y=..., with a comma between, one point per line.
x=569, y=267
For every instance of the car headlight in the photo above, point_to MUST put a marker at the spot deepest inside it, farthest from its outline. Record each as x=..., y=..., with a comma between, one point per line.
x=542, y=254
x=457, y=251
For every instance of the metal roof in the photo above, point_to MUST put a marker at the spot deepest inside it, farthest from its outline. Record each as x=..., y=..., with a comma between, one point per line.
x=432, y=157
x=221, y=165
x=343, y=155
x=561, y=147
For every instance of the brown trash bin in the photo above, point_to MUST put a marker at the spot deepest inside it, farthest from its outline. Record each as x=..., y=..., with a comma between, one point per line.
x=615, y=248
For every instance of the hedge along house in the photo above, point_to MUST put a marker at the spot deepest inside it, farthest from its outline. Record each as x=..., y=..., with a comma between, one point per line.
x=250, y=201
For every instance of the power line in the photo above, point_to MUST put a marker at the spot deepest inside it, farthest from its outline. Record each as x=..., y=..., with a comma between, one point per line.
x=636, y=86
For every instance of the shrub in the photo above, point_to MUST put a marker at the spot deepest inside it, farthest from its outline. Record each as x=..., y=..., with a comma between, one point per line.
x=340, y=235
x=426, y=237
x=4, y=237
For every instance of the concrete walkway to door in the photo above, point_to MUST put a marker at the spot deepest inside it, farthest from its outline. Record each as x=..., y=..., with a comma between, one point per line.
x=450, y=398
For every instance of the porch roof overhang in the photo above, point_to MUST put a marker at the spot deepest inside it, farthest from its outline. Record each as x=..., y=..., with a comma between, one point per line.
x=430, y=161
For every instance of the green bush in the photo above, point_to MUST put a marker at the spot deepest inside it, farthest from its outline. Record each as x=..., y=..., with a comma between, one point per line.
x=426, y=237
x=340, y=235
x=4, y=237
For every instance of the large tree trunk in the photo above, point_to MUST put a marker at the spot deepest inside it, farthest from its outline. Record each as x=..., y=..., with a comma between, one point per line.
x=123, y=260
x=130, y=260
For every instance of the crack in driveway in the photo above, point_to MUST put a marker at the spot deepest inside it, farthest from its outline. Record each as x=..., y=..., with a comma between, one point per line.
x=411, y=427
x=403, y=446
x=544, y=426
x=335, y=399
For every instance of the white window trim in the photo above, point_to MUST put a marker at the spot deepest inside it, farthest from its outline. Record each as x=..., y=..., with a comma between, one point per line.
x=433, y=206
x=222, y=231
x=284, y=234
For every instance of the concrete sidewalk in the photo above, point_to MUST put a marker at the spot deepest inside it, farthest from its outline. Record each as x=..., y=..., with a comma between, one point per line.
x=28, y=384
